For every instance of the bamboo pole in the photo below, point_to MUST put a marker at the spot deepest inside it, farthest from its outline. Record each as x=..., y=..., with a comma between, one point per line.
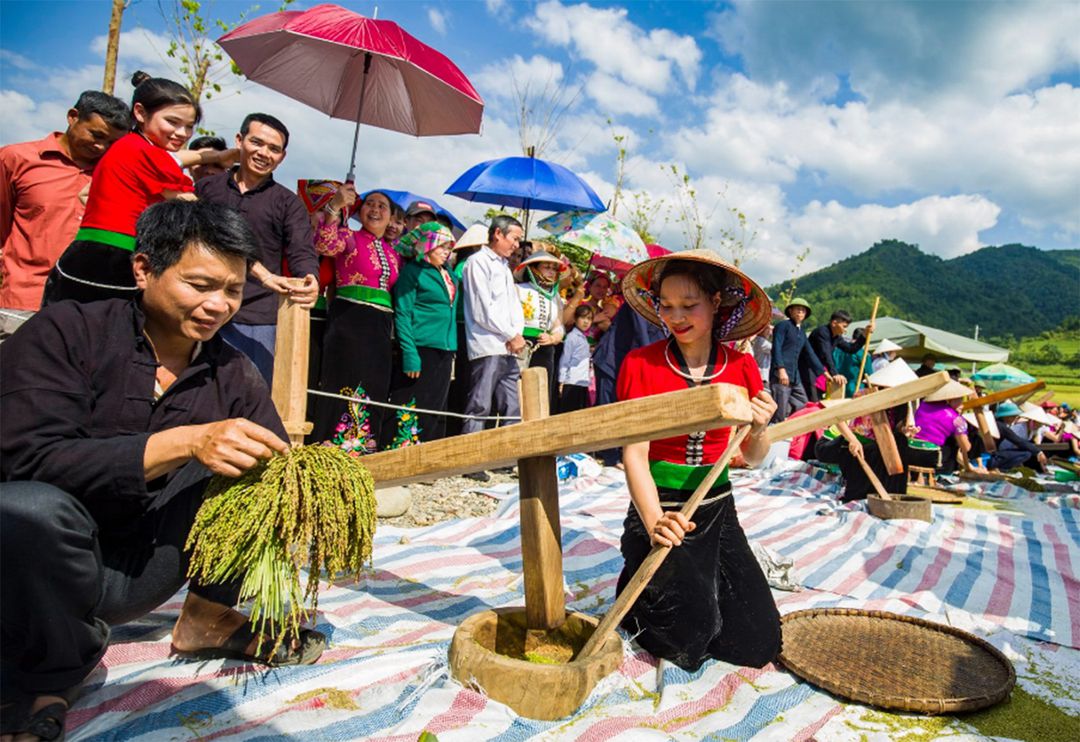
x=658, y=553
x=1014, y=393
x=866, y=345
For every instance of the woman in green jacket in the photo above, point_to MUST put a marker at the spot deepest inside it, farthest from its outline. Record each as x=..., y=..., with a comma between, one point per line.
x=425, y=302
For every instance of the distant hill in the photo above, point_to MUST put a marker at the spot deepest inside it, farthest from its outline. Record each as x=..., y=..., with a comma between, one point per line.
x=1012, y=290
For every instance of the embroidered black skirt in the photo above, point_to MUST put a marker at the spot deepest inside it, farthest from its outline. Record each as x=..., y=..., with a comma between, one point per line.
x=709, y=599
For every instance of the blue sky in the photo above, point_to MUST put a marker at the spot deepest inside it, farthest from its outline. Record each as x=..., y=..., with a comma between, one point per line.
x=830, y=125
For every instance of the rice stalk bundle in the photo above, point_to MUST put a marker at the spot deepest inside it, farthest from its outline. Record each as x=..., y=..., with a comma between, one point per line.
x=313, y=506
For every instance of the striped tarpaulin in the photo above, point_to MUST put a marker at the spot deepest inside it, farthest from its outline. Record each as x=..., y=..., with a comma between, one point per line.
x=1009, y=578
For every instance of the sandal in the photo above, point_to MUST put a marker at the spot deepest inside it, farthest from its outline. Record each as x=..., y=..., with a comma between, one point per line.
x=311, y=645
x=46, y=723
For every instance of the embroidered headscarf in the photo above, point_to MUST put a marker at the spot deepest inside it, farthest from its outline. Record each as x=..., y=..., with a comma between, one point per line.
x=416, y=245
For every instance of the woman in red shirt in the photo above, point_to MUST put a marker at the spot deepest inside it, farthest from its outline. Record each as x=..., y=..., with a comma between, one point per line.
x=709, y=599
x=142, y=168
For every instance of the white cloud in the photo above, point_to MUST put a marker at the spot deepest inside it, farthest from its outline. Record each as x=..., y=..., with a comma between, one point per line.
x=438, y=20
x=616, y=97
x=495, y=6
x=608, y=39
x=945, y=226
x=904, y=50
x=537, y=74
x=1022, y=150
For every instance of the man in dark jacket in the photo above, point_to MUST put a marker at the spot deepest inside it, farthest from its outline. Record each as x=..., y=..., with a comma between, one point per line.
x=827, y=338
x=282, y=229
x=789, y=347
x=113, y=416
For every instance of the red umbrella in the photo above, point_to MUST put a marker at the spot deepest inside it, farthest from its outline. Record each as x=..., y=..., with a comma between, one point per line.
x=356, y=68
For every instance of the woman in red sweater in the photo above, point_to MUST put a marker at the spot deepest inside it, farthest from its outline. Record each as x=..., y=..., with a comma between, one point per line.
x=142, y=168
x=709, y=599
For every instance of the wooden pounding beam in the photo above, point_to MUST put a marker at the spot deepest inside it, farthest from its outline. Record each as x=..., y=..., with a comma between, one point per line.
x=1001, y=396
x=606, y=426
x=886, y=443
x=879, y=488
x=289, y=391
x=849, y=409
x=541, y=533
x=984, y=430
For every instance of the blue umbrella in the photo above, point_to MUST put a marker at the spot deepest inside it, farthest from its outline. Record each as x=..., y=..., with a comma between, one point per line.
x=405, y=198
x=525, y=183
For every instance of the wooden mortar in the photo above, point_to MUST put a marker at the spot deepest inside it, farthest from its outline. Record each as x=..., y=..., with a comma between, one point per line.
x=482, y=657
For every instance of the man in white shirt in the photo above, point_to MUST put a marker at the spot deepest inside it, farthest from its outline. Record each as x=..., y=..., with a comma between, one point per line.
x=494, y=323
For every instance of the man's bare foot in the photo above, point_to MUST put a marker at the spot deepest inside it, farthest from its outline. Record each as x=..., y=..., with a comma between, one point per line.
x=206, y=629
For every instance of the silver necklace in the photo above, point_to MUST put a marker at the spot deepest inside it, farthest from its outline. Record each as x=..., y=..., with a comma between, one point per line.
x=691, y=377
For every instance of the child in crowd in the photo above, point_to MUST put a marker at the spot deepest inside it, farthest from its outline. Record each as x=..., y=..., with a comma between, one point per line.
x=574, y=363
x=142, y=168
x=709, y=598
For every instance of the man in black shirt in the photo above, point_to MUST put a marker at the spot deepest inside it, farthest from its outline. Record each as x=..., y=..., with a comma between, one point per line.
x=113, y=416
x=282, y=229
x=826, y=338
x=928, y=366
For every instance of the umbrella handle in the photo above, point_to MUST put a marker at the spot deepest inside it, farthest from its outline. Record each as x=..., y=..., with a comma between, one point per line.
x=350, y=178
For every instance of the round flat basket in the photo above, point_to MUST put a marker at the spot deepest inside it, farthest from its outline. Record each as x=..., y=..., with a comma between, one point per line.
x=895, y=662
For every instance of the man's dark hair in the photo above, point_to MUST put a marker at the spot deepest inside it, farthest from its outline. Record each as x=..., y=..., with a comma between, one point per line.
x=112, y=110
x=216, y=143
x=168, y=228
x=501, y=223
x=929, y=357
x=266, y=120
x=154, y=93
x=444, y=220
x=840, y=316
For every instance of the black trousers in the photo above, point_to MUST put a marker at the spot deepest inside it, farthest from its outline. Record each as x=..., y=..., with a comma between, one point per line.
x=573, y=398
x=428, y=390
x=357, y=350
x=709, y=598
x=459, y=386
x=65, y=579
x=95, y=262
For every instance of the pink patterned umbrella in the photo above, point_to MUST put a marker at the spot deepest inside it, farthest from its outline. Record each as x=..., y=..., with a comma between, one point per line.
x=358, y=69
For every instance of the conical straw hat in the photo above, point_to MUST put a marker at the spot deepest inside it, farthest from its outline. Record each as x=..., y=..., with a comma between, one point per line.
x=886, y=346
x=475, y=236
x=896, y=373
x=641, y=291
x=952, y=390
x=1038, y=415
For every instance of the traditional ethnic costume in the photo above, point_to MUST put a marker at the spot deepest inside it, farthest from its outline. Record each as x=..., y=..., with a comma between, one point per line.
x=940, y=424
x=542, y=307
x=132, y=175
x=358, y=346
x=425, y=310
x=709, y=599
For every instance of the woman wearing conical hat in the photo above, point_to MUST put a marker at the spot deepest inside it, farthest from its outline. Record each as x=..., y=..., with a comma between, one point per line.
x=709, y=599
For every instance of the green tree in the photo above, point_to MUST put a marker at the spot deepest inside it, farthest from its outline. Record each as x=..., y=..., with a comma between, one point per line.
x=203, y=64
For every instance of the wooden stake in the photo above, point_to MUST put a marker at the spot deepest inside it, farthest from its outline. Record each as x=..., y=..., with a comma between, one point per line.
x=1015, y=393
x=541, y=533
x=658, y=553
x=289, y=391
x=861, y=458
x=866, y=345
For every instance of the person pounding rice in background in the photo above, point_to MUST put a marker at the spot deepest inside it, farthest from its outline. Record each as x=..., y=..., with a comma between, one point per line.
x=709, y=598
x=113, y=417
x=940, y=423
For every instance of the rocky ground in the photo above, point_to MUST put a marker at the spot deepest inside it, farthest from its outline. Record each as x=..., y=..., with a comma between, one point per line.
x=449, y=498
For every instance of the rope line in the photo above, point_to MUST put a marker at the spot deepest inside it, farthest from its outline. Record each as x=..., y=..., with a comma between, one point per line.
x=389, y=406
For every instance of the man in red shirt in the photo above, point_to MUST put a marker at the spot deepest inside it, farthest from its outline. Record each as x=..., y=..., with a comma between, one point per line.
x=42, y=200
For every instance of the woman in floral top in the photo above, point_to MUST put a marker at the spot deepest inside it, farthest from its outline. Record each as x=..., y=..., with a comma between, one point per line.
x=358, y=348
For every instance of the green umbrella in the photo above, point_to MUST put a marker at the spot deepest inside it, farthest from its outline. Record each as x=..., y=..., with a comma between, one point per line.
x=1001, y=376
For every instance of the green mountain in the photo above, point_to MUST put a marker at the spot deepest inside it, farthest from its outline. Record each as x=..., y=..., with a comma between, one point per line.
x=1009, y=290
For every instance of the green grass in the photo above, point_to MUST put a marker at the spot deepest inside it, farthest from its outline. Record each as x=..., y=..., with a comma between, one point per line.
x=1064, y=393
